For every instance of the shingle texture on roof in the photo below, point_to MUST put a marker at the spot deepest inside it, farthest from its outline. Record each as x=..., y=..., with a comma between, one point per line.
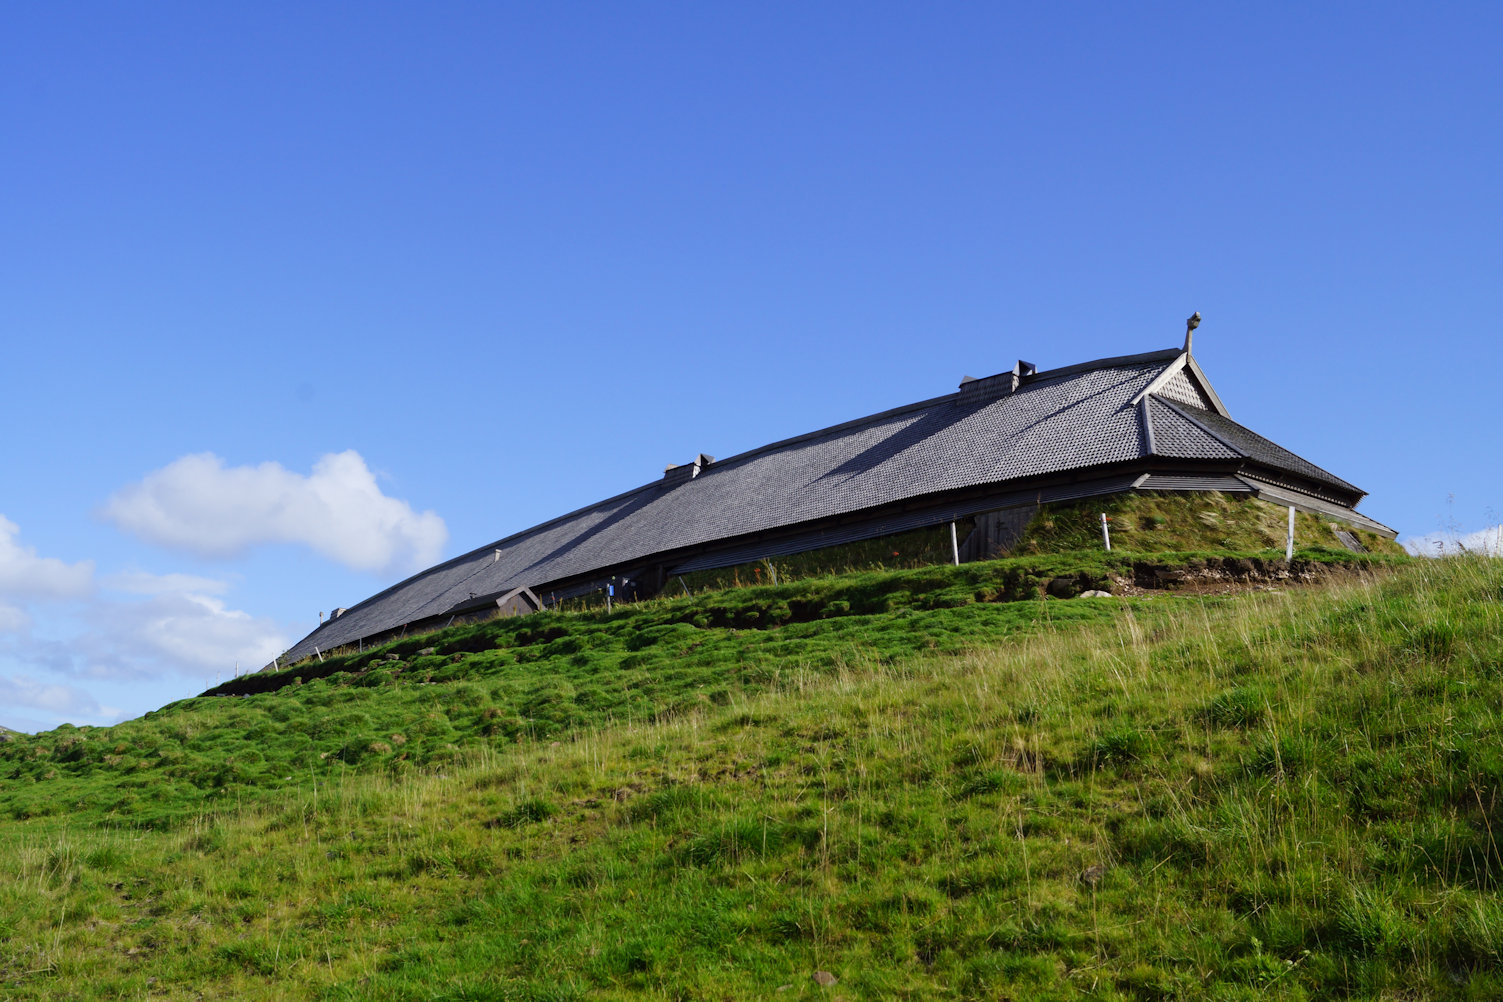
x=1072, y=419
x=1176, y=436
x=1259, y=449
x=1181, y=388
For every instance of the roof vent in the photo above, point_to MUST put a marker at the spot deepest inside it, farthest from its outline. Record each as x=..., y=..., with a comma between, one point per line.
x=687, y=471
x=991, y=387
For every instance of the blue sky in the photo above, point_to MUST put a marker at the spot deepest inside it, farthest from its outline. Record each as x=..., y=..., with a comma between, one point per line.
x=297, y=298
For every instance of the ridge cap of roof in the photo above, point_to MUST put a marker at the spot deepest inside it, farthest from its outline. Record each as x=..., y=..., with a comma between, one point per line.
x=820, y=432
x=1117, y=361
x=1114, y=362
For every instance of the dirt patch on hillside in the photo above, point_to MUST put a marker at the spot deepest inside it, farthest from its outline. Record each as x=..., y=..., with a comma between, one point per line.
x=1232, y=575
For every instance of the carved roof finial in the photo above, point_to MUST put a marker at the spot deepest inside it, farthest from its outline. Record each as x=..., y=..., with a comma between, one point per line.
x=1190, y=326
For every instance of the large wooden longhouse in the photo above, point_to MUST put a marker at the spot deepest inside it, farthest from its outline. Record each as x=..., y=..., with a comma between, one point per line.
x=991, y=452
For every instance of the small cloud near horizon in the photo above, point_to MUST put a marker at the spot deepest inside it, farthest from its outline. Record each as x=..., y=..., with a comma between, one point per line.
x=20, y=692
x=1487, y=541
x=200, y=505
x=62, y=628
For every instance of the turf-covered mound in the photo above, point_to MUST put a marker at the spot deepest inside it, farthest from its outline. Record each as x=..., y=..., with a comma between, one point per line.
x=1210, y=523
x=423, y=702
x=1285, y=794
x=1206, y=521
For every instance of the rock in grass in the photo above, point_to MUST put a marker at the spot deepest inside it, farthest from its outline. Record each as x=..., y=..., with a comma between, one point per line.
x=1061, y=587
x=824, y=978
x=1094, y=593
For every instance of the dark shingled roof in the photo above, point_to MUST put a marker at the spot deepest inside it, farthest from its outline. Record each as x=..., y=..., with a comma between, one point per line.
x=1257, y=448
x=1058, y=422
x=1175, y=435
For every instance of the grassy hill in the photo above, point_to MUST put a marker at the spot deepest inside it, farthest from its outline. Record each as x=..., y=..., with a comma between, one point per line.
x=926, y=783
x=421, y=701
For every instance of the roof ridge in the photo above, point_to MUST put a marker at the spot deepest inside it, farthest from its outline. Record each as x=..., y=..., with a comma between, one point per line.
x=655, y=487
x=1117, y=361
x=1113, y=362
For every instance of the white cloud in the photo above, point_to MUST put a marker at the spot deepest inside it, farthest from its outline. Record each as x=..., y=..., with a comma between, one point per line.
x=144, y=583
x=158, y=636
x=196, y=637
x=13, y=620
x=198, y=504
x=65, y=701
x=198, y=634
x=24, y=573
x=138, y=628
x=1488, y=541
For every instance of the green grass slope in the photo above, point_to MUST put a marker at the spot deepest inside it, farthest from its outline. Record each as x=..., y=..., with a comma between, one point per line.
x=1284, y=794
x=421, y=702
x=1149, y=521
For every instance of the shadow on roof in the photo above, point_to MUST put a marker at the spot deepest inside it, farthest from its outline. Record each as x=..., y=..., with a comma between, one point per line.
x=636, y=504
x=936, y=420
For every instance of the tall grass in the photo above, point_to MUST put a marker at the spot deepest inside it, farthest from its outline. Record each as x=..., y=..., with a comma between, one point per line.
x=1281, y=795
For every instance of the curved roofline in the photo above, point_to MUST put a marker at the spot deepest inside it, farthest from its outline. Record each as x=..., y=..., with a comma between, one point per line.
x=1117, y=361
x=1034, y=379
x=1114, y=362
x=1005, y=429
